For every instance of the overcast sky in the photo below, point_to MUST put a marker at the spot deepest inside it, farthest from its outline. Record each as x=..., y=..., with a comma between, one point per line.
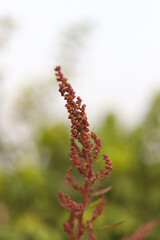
x=119, y=69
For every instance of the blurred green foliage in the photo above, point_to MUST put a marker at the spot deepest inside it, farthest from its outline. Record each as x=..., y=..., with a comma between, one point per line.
x=29, y=208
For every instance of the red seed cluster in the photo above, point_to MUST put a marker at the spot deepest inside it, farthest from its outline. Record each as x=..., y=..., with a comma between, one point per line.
x=98, y=144
x=91, y=235
x=69, y=226
x=108, y=167
x=70, y=181
x=66, y=202
x=77, y=115
x=85, y=146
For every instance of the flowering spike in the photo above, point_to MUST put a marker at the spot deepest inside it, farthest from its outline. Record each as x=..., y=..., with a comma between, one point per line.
x=82, y=158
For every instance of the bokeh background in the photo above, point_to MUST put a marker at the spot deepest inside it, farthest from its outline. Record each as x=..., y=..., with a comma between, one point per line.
x=110, y=52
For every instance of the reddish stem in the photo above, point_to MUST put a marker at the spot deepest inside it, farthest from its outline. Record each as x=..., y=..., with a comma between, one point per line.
x=80, y=226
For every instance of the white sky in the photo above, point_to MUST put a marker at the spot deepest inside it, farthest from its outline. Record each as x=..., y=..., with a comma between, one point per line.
x=120, y=67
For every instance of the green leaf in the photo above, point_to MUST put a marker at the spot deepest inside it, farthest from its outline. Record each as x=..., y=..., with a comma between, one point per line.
x=107, y=227
x=95, y=203
x=102, y=191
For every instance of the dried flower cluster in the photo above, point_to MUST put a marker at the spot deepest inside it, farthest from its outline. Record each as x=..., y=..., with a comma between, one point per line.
x=82, y=158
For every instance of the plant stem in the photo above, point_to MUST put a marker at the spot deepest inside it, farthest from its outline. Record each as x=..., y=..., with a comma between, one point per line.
x=80, y=226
